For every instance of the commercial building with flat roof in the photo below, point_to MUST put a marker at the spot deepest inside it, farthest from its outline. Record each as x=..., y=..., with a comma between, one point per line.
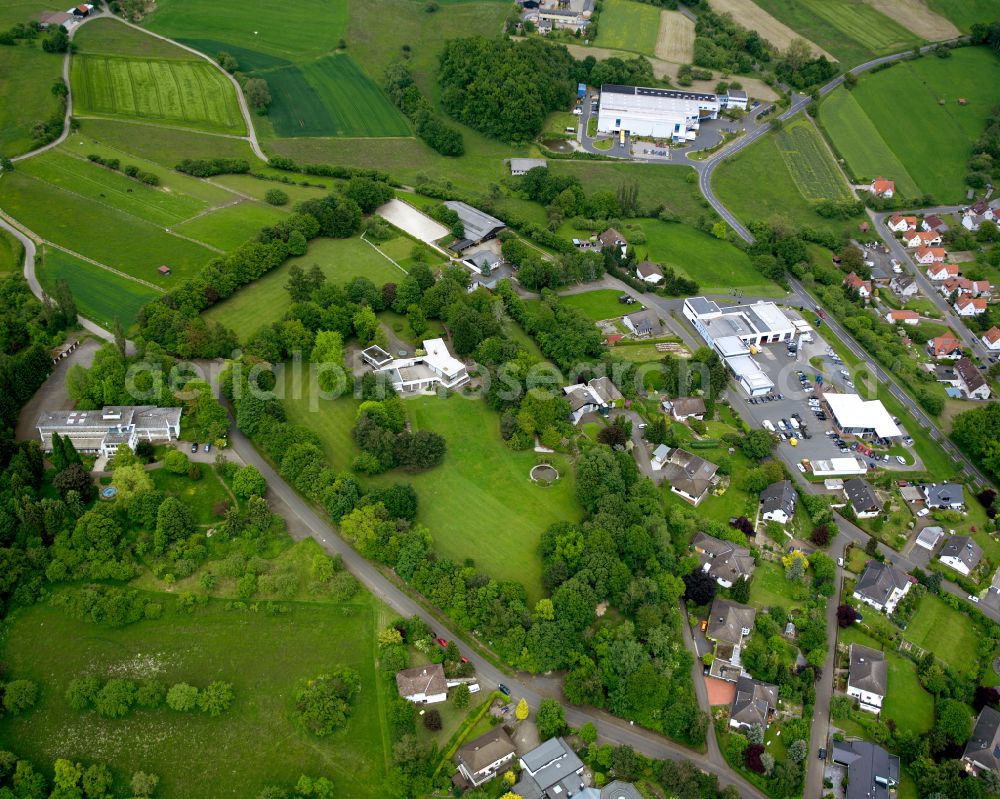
x=660, y=113
x=105, y=430
x=862, y=417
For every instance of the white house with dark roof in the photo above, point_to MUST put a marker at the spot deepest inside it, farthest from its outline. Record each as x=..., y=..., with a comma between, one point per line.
x=777, y=502
x=961, y=553
x=482, y=758
x=599, y=394
x=949, y=496
x=684, y=408
x=867, y=677
x=753, y=704
x=871, y=771
x=972, y=381
x=642, y=323
x=725, y=562
x=862, y=498
x=649, y=272
x=882, y=586
x=423, y=685
x=929, y=537
x=982, y=752
x=689, y=476
x=103, y=431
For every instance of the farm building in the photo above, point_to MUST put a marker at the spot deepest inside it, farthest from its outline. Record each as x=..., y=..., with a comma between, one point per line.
x=663, y=113
x=51, y=19
x=479, y=226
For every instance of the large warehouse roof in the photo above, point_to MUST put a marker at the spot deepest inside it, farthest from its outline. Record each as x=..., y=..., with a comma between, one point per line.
x=854, y=413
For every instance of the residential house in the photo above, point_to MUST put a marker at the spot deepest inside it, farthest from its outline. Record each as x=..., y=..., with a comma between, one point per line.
x=941, y=271
x=597, y=395
x=683, y=408
x=521, y=166
x=863, y=287
x=900, y=224
x=642, y=323
x=103, y=431
x=946, y=347
x=974, y=288
x=482, y=758
x=976, y=214
x=970, y=306
x=904, y=287
x=729, y=622
x=690, y=477
x=482, y=261
x=551, y=770
x=931, y=255
x=972, y=381
x=727, y=563
x=950, y=496
x=922, y=238
x=961, y=553
x=871, y=771
x=882, y=586
x=423, y=685
x=928, y=537
x=881, y=187
x=649, y=272
x=982, y=752
x=436, y=367
x=867, y=677
x=902, y=317
x=777, y=502
x=753, y=704
x=862, y=498
x=612, y=238
x=948, y=376
x=991, y=339
x=935, y=223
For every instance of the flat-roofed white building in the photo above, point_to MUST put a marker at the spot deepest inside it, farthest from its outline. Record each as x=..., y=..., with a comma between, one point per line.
x=749, y=375
x=105, y=430
x=660, y=113
x=835, y=467
x=436, y=367
x=862, y=417
x=756, y=323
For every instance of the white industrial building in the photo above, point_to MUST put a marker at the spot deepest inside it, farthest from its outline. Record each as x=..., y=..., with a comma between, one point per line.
x=862, y=417
x=659, y=113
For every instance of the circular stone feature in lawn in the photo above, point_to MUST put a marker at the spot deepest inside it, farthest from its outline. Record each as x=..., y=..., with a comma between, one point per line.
x=544, y=473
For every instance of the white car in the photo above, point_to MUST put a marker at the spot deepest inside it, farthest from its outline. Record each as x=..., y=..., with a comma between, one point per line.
x=840, y=562
x=794, y=423
x=923, y=512
x=901, y=460
x=782, y=425
x=844, y=373
x=801, y=468
x=973, y=598
x=768, y=425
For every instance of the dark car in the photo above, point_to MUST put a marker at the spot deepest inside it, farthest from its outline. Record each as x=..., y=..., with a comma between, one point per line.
x=504, y=689
x=822, y=753
x=208, y=446
x=194, y=447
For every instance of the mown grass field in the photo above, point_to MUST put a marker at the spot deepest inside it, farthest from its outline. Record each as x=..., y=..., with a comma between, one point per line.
x=627, y=25
x=769, y=588
x=166, y=91
x=197, y=756
x=851, y=30
x=815, y=174
x=265, y=300
x=716, y=265
x=965, y=13
x=164, y=146
x=939, y=131
x=948, y=633
x=101, y=296
x=110, y=37
x=11, y=253
x=597, y=305
x=26, y=78
x=230, y=227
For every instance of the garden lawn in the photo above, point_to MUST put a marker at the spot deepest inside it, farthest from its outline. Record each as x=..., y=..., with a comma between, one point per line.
x=26, y=77
x=265, y=300
x=230, y=227
x=769, y=588
x=949, y=634
x=480, y=503
x=200, y=496
x=597, y=305
x=627, y=25
x=100, y=295
x=716, y=265
x=196, y=756
x=925, y=92
x=331, y=420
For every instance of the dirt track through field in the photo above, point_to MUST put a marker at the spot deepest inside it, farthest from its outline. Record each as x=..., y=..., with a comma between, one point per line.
x=917, y=17
x=750, y=15
x=675, y=41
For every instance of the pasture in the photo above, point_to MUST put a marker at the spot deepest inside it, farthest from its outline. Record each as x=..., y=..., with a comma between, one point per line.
x=165, y=91
x=626, y=25
x=100, y=295
x=109, y=37
x=940, y=134
x=26, y=76
x=809, y=163
x=716, y=265
x=917, y=17
x=752, y=16
x=852, y=31
x=163, y=146
x=197, y=756
x=965, y=13
x=675, y=40
x=230, y=227
x=265, y=300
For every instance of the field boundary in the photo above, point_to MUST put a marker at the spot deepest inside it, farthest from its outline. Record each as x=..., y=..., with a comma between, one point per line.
x=384, y=255
x=111, y=269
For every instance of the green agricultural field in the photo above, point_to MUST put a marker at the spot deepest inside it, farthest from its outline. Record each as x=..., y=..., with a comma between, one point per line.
x=851, y=30
x=628, y=25
x=946, y=632
x=265, y=300
x=597, y=305
x=164, y=146
x=197, y=756
x=102, y=232
x=100, y=295
x=230, y=227
x=330, y=97
x=965, y=13
x=14, y=11
x=110, y=37
x=11, y=253
x=924, y=92
x=165, y=91
x=815, y=174
x=26, y=78
x=716, y=265
x=247, y=184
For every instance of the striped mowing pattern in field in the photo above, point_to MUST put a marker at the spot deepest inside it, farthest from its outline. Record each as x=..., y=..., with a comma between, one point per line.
x=189, y=93
x=812, y=169
x=862, y=23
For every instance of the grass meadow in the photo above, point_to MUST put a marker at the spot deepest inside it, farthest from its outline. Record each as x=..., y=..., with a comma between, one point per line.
x=627, y=25
x=265, y=300
x=163, y=146
x=597, y=305
x=11, y=253
x=949, y=633
x=230, y=227
x=813, y=171
x=26, y=77
x=939, y=132
x=965, y=13
x=852, y=31
x=197, y=756
x=100, y=295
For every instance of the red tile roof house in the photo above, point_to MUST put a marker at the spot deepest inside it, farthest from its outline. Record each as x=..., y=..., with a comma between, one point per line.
x=933, y=222
x=900, y=224
x=881, y=187
x=991, y=339
x=970, y=306
x=946, y=347
x=935, y=255
x=906, y=317
x=863, y=287
x=920, y=238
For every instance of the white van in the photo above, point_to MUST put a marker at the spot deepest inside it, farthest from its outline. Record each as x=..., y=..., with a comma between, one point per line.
x=474, y=688
x=768, y=425
x=794, y=423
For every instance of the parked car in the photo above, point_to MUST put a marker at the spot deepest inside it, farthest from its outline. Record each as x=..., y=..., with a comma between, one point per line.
x=782, y=425
x=901, y=460
x=840, y=562
x=801, y=468
x=194, y=447
x=973, y=598
x=844, y=373
x=768, y=425
x=503, y=689
x=208, y=446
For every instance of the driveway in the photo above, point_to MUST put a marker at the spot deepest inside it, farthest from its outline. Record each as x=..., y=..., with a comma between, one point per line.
x=52, y=394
